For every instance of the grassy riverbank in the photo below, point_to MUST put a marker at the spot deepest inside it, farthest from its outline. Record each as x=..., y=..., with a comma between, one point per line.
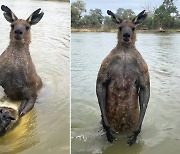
x=58, y=0
x=115, y=30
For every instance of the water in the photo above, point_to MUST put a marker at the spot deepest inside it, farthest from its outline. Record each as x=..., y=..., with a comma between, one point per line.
x=161, y=126
x=46, y=128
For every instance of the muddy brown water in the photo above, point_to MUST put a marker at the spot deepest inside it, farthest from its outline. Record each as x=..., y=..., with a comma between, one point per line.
x=46, y=128
x=161, y=126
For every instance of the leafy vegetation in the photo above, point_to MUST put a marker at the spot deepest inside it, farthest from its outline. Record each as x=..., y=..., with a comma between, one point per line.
x=166, y=16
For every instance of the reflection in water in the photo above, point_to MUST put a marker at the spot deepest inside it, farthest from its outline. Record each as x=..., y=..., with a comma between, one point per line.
x=46, y=128
x=160, y=130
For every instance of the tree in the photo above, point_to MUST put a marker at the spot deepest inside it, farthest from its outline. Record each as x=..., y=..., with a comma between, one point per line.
x=169, y=6
x=125, y=13
x=163, y=15
x=93, y=20
x=77, y=8
x=108, y=23
x=97, y=13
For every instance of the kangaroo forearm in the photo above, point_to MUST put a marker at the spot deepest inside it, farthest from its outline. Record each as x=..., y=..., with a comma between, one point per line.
x=101, y=94
x=101, y=97
x=26, y=106
x=143, y=101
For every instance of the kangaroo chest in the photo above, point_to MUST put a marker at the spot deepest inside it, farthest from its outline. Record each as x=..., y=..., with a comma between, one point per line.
x=17, y=71
x=123, y=69
x=122, y=94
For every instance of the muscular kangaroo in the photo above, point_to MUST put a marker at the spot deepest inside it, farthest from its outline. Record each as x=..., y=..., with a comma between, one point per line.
x=18, y=75
x=123, y=86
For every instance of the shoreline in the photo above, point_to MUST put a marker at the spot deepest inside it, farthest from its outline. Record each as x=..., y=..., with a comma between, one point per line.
x=115, y=30
x=58, y=0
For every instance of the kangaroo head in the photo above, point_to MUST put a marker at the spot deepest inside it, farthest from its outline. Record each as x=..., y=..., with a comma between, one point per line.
x=20, y=29
x=127, y=28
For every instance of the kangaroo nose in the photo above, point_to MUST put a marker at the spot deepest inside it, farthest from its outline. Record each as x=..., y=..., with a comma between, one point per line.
x=126, y=35
x=18, y=32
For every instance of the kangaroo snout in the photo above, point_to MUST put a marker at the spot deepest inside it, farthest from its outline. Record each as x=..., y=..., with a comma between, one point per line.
x=126, y=37
x=18, y=34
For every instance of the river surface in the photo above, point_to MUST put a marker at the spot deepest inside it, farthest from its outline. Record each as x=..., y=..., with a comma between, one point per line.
x=46, y=128
x=161, y=126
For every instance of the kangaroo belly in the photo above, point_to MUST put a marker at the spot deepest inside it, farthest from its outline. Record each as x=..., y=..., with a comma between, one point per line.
x=122, y=107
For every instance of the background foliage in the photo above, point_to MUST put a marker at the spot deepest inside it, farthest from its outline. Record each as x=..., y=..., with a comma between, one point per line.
x=166, y=16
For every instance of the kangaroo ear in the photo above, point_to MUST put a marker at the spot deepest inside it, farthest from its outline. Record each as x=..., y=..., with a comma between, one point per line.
x=140, y=17
x=114, y=18
x=8, y=14
x=35, y=17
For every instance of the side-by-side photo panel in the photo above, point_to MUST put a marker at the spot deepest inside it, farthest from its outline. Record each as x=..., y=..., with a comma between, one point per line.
x=35, y=77
x=125, y=77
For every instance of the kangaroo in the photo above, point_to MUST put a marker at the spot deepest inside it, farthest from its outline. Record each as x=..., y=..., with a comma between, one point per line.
x=18, y=75
x=123, y=84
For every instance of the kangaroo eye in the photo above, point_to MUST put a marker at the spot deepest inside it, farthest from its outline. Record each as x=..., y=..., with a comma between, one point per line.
x=133, y=29
x=27, y=27
x=12, y=26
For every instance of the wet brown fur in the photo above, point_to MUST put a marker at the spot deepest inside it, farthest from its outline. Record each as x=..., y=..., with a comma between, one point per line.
x=9, y=118
x=124, y=67
x=16, y=66
x=18, y=74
